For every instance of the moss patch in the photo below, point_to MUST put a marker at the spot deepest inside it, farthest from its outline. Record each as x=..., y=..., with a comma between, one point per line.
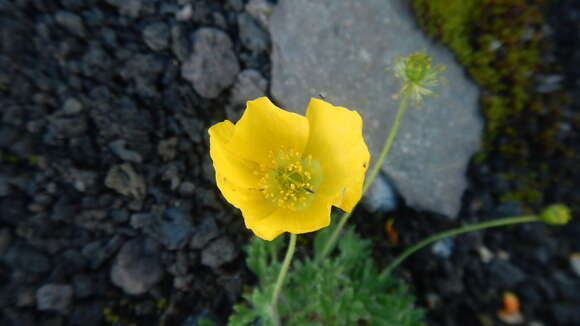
x=500, y=44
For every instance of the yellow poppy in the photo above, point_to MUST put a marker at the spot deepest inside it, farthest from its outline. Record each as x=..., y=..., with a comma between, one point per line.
x=284, y=171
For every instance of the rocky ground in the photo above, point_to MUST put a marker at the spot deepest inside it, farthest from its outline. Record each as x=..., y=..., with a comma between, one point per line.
x=108, y=208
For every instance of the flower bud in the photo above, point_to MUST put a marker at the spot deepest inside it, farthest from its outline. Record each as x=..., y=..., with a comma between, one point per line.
x=557, y=214
x=417, y=73
x=417, y=67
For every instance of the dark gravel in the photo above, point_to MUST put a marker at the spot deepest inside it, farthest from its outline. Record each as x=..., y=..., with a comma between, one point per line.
x=109, y=208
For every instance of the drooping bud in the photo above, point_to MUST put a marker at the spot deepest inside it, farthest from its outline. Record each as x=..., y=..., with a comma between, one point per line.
x=557, y=214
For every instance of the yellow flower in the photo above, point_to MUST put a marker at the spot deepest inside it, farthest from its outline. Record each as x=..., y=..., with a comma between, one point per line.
x=284, y=171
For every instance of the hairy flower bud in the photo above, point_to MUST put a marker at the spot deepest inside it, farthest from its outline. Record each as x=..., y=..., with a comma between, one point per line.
x=417, y=74
x=557, y=214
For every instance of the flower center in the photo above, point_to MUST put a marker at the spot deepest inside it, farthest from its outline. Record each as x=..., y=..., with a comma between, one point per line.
x=418, y=65
x=291, y=181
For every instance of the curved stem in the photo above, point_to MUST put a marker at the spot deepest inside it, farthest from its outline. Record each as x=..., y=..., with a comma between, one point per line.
x=463, y=229
x=281, y=278
x=373, y=174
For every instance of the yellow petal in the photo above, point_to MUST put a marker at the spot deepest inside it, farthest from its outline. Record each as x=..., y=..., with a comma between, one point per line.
x=227, y=163
x=234, y=193
x=315, y=217
x=336, y=142
x=265, y=129
x=234, y=175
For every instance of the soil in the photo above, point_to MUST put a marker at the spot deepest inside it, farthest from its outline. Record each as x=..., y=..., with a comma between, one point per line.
x=108, y=209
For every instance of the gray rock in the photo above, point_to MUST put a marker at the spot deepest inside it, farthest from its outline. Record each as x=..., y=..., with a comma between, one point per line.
x=443, y=248
x=171, y=174
x=250, y=84
x=176, y=232
x=97, y=252
x=549, y=83
x=133, y=8
x=55, y=297
x=504, y=274
x=73, y=259
x=335, y=49
x=156, y=36
x=126, y=181
x=380, y=197
x=72, y=4
x=565, y=313
x=185, y=13
x=83, y=286
x=70, y=21
x=204, y=233
x=193, y=127
x=213, y=65
x=82, y=180
x=575, y=263
x=254, y=37
x=68, y=127
x=182, y=282
x=119, y=147
x=187, y=189
x=5, y=240
x=93, y=219
x=166, y=8
x=261, y=10
x=137, y=268
x=173, y=230
x=87, y=313
x=182, y=262
x=236, y=5
x=167, y=148
x=179, y=42
x=219, y=252
x=25, y=296
x=72, y=106
x=140, y=220
x=27, y=259
x=4, y=185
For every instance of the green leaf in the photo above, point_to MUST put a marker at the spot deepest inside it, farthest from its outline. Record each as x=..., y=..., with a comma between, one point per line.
x=343, y=290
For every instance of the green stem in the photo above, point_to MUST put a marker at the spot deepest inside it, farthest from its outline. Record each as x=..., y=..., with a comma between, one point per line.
x=373, y=174
x=281, y=278
x=463, y=229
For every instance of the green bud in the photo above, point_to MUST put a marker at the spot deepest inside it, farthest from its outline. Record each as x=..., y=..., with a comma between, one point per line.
x=557, y=214
x=417, y=67
x=418, y=75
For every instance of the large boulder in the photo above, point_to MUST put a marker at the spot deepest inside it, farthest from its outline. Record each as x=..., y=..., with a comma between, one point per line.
x=341, y=49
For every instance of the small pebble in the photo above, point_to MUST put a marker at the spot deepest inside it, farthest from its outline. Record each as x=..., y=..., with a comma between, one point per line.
x=575, y=263
x=485, y=254
x=443, y=248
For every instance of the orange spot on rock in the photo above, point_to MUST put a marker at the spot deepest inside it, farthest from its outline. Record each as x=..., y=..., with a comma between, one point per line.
x=391, y=233
x=510, y=312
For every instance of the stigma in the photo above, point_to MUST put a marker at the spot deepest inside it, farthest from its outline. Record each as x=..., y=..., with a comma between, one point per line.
x=290, y=181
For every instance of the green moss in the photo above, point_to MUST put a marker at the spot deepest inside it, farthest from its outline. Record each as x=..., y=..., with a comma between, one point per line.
x=525, y=195
x=499, y=42
x=130, y=311
x=501, y=57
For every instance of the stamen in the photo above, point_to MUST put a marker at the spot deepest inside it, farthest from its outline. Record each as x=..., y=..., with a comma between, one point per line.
x=291, y=181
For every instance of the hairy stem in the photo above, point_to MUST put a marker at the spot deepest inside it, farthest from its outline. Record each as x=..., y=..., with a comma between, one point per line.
x=373, y=174
x=460, y=230
x=281, y=278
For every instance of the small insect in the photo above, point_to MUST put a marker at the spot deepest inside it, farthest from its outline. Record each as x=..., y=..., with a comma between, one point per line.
x=309, y=190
